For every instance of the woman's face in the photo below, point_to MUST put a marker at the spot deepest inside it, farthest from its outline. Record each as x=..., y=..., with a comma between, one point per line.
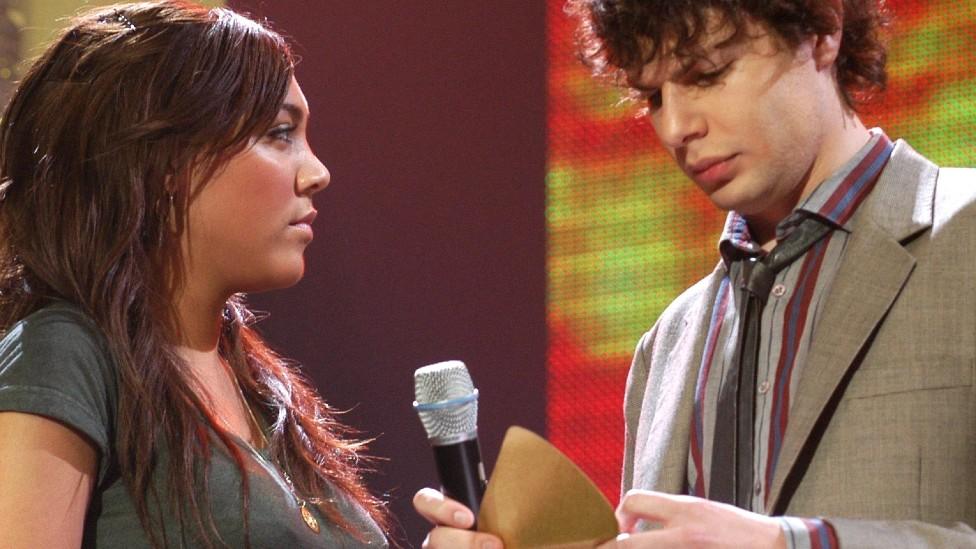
x=249, y=225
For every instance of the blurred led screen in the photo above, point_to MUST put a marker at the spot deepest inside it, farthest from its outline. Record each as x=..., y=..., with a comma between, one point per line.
x=627, y=232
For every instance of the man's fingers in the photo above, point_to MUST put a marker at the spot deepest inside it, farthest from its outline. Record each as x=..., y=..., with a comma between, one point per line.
x=658, y=539
x=433, y=506
x=653, y=507
x=452, y=538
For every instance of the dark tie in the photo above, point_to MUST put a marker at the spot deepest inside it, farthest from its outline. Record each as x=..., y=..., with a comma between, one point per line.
x=731, y=479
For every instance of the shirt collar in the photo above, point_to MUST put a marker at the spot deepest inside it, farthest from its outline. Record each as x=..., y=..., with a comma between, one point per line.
x=835, y=200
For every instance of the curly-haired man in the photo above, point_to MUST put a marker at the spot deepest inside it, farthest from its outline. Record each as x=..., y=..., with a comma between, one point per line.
x=816, y=389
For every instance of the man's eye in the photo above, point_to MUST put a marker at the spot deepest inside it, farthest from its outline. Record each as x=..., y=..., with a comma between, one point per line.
x=705, y=79
x=652, y=98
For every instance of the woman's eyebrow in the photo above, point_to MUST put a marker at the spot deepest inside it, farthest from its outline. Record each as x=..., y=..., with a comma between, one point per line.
x=298, y=114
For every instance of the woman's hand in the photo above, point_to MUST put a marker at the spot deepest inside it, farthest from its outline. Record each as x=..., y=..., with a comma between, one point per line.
x=451, y=520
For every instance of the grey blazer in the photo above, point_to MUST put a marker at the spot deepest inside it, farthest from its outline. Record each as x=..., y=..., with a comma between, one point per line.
x=882, y=436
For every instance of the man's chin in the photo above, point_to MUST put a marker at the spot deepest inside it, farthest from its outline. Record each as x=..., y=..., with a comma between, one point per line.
x=741, y=198
x=730, y=201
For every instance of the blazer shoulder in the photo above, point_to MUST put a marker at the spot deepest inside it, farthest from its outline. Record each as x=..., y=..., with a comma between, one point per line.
x=690, y=306
x=914, y=195
x=955, y=195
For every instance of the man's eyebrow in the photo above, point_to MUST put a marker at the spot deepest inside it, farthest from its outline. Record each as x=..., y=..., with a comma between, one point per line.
x=688, y=63
x=706, y=51
x=634, y=85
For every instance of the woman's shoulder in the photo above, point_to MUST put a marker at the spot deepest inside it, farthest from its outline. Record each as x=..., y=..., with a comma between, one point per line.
x=55, y=362
x=56, y=331
x=57, y=318
x=58, y=347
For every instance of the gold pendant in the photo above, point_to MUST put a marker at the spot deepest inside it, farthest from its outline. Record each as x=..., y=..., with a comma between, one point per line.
x=309, y=519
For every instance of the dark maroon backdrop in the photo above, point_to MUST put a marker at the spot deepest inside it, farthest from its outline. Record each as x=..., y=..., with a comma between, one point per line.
x=430, y=243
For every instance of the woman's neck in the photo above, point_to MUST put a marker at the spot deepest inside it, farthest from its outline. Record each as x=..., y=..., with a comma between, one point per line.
x=198, y=343
x=199, y=320
x=211, y=377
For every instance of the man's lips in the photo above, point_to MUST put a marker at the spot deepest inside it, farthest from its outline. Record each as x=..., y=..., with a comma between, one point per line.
x=712, y=170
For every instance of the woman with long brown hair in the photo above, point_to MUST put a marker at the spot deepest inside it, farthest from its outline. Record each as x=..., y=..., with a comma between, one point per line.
x=154, y=166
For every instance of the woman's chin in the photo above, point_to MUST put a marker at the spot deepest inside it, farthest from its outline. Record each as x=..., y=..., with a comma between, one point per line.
x=276, y=279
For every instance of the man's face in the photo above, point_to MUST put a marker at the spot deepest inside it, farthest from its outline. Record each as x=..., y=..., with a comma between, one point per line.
x=747, y=122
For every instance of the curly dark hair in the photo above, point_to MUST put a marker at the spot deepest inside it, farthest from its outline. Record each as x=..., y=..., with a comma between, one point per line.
x=617, y=36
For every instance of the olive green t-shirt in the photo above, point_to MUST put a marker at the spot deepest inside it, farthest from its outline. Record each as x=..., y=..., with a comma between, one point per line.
x=56, y=363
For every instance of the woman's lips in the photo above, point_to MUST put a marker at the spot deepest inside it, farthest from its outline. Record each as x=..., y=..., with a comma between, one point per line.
x=307, y=219
x=305, y=223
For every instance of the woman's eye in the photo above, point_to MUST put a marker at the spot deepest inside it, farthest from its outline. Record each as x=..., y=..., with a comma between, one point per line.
x=283, y=132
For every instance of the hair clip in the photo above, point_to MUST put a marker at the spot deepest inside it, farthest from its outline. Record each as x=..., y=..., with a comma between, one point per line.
x=120, y=17
x=124, y=20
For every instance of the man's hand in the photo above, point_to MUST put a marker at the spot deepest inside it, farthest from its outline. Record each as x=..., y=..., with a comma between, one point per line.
x=686, y=521
x=451, y=520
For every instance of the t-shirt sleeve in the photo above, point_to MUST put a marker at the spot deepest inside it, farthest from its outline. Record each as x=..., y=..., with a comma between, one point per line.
x=54, y=363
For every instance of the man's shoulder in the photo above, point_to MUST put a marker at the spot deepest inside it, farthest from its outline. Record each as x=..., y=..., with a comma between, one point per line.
x=956, y=183
x=914, y=195
x=955, y=191
x=692, y=298
x=954, y=194
x=689, y=308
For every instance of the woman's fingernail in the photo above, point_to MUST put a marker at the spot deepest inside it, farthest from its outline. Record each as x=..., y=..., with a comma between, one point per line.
x=461, y=517
x=490, y=544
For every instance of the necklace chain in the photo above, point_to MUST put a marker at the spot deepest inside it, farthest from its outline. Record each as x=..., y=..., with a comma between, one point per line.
x=307, y=517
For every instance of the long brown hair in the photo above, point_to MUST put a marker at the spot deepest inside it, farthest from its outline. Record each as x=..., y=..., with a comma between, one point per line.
x=98, y=147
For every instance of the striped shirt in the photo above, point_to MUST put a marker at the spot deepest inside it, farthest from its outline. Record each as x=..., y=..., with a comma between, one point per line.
x=788, y=324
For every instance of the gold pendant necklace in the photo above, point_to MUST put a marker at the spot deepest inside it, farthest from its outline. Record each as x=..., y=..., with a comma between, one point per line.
x=307, y=517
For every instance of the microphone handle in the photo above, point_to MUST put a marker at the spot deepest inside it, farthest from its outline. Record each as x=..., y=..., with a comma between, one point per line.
x=462, y=473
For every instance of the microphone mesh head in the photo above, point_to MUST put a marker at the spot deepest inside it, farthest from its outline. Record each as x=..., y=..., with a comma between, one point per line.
x=446, y=402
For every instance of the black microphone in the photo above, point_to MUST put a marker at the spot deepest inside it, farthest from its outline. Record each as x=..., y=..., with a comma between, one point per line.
x=447, y=404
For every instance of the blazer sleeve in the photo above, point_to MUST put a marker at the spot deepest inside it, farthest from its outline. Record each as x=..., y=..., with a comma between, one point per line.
x=633, y=394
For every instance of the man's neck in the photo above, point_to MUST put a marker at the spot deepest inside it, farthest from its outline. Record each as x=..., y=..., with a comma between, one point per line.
x=838, y=146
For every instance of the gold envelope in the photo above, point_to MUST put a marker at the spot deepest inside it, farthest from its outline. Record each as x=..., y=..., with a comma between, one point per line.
x=538, y=498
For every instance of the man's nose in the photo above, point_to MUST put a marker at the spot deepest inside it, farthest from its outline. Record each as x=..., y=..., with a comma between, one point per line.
x=678, y=120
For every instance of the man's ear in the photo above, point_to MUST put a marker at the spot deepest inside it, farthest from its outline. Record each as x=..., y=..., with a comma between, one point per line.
x=827, y=46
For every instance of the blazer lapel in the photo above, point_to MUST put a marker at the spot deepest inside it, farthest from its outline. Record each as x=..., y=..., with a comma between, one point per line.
x=875, y=268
